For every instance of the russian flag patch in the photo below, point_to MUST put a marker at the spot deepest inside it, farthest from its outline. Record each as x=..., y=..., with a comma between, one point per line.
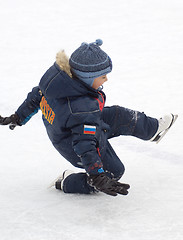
x=89, y=129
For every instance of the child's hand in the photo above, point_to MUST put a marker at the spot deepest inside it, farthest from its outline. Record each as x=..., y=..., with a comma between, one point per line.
x=12, y=121
x=107, y=185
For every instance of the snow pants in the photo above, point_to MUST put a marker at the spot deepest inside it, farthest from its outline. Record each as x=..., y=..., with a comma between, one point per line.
x=122, y=121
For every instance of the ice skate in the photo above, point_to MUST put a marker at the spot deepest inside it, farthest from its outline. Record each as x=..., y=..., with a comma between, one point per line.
x=58, y=182
x=165, y=124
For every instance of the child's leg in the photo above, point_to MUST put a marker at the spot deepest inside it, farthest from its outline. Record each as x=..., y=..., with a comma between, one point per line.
x=123, y=121
x=77, y=183
x=112, y=164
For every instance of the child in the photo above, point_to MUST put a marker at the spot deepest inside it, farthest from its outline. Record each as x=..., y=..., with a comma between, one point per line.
x=79, y=126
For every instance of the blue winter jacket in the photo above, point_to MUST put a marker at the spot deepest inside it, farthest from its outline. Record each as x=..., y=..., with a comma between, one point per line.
x=71, y=112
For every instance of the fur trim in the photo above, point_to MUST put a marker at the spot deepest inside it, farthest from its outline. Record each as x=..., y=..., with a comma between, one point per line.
x=63, y=62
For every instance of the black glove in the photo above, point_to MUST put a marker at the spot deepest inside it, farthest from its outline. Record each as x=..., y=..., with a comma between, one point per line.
x=107, y=185
x=12, y=121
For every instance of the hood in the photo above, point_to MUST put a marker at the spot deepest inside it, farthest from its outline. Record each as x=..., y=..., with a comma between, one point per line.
x=57, y=82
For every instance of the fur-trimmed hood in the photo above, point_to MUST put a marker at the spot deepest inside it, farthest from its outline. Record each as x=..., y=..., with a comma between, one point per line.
x=63, y=62
x=57, y=82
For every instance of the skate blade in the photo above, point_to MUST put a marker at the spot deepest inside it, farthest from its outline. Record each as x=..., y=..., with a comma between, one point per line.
x=165, y=132
x=52, y=184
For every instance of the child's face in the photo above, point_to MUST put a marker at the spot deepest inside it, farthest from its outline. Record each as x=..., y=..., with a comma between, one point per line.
x=99, y=81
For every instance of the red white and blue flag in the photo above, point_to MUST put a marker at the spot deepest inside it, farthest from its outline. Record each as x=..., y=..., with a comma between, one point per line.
x=89, y=129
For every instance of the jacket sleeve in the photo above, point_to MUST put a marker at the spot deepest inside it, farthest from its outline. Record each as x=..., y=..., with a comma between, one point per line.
x=85, y=141
x=30, y=106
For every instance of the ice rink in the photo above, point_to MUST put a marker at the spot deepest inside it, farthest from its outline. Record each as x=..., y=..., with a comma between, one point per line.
x=144, y=39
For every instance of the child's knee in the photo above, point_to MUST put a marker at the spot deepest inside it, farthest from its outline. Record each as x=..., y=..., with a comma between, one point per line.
x=119, y=173
x=116, y=173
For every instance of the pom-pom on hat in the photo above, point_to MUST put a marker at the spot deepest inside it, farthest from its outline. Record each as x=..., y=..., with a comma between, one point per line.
x=89, y=61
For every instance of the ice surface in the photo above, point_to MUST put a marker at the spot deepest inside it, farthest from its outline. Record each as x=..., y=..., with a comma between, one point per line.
x=144, y=40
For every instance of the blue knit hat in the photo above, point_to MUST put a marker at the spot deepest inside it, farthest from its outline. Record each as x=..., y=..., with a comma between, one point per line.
x=89, y=61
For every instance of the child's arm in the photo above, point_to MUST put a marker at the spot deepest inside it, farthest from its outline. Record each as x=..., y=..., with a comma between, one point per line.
x=26, y=110
x=85, y=126
x=86, y=147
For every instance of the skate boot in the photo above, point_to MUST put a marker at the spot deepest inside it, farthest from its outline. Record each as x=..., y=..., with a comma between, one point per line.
x=58, y=182
x=165, y=124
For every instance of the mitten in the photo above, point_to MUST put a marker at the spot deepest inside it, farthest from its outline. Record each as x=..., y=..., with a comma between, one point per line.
x=107, y=185
x=12, y=121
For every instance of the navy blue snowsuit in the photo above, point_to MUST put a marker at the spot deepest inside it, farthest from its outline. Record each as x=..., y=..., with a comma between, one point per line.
x=79, y=125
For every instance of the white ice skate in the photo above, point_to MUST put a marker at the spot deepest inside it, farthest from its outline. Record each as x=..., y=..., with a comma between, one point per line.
x=165, y=124
x=58, y=182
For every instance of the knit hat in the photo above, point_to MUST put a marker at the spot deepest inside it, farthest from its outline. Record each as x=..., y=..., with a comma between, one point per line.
x=89, y=61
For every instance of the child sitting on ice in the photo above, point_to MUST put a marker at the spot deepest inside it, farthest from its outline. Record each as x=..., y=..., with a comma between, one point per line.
x=79, y=126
